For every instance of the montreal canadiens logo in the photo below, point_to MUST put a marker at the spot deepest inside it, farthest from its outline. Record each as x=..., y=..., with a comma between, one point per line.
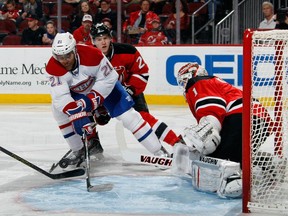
x=84, y=85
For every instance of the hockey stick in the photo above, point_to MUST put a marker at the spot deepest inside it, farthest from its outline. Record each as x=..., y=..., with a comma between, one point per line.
x=54, y=165
x=92, y=188
x=68, y=174
x=136, y=157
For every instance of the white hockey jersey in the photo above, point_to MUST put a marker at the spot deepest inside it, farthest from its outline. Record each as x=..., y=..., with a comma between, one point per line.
x=93, y=72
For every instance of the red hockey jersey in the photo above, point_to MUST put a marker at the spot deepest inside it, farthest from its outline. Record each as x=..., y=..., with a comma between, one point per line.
x=209, y=95
x=131, y=67
x=82, y=37
x=153, y=38
x=11, y=15
x=133, y=16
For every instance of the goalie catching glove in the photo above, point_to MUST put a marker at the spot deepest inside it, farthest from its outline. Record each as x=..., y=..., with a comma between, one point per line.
x=203, y=137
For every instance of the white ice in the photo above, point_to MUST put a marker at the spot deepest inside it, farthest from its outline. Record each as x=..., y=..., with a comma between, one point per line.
x=31, y=132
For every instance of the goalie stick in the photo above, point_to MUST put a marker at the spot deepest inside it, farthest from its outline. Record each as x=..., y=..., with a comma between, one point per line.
x=67, y=174
x=92, y=188
x=136, y=157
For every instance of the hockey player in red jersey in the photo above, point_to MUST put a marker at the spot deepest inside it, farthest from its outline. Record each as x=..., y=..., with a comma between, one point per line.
x=133, y=74
x=82, y=80
x=217, y=107
x=214, y=154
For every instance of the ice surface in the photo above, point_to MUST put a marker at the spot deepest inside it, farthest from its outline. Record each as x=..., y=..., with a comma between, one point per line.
x=31, y=132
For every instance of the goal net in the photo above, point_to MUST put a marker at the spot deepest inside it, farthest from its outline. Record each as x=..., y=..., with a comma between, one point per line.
x=265, y=137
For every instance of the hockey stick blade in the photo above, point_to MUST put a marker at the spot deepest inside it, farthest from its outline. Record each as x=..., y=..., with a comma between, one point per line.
x=68, y=174
x=100, y=188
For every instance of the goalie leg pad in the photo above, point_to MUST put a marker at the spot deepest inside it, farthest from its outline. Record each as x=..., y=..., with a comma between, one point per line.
x=181, y=162
x=205, y=177
x=217, y=176
x=182, y=159
x=231, y=187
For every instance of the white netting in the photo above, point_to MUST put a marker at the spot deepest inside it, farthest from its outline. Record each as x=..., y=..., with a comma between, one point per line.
x=269, y=185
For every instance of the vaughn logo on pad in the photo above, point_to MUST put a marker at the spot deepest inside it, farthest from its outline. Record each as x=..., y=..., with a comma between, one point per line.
x=156, y=160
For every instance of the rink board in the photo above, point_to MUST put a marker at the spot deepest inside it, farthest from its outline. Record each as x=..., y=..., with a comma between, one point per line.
x=24, y=78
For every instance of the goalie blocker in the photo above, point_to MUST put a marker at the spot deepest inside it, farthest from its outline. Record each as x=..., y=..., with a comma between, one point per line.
x=208, y=174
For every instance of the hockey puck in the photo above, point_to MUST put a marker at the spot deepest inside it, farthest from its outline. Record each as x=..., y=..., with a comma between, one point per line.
x=64, y=163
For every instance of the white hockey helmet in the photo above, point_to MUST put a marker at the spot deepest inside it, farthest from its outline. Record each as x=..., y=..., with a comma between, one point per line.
x=189, y=71
x=63, y=44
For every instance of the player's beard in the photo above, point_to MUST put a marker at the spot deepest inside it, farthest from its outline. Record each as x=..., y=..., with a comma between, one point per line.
x=69, y=64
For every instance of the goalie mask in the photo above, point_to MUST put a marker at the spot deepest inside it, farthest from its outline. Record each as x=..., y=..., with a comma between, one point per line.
x=63, y=45
x=189, y=71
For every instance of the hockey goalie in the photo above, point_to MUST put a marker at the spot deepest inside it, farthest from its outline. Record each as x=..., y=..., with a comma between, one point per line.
x=212, y=153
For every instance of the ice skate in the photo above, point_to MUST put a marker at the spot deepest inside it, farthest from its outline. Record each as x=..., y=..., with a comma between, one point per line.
x=95, y=147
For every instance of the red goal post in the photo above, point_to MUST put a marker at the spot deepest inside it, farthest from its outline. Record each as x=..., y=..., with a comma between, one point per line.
x=265, y=81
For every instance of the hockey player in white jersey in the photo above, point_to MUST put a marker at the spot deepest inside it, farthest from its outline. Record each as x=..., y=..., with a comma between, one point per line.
x=82, y=80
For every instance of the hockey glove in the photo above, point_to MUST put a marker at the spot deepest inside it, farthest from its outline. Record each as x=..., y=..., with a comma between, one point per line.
x=82, y=100
x=83, y=104
x=95, y=98
x=203, y=137
x=129, y=89
x=81, y=121
x=78, y=116
x=101, y=116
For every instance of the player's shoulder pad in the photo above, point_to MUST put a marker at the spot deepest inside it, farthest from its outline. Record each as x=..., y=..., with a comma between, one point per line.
x=123, y=48
x=89, y=55
x=196, y=79
x=55, y=68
